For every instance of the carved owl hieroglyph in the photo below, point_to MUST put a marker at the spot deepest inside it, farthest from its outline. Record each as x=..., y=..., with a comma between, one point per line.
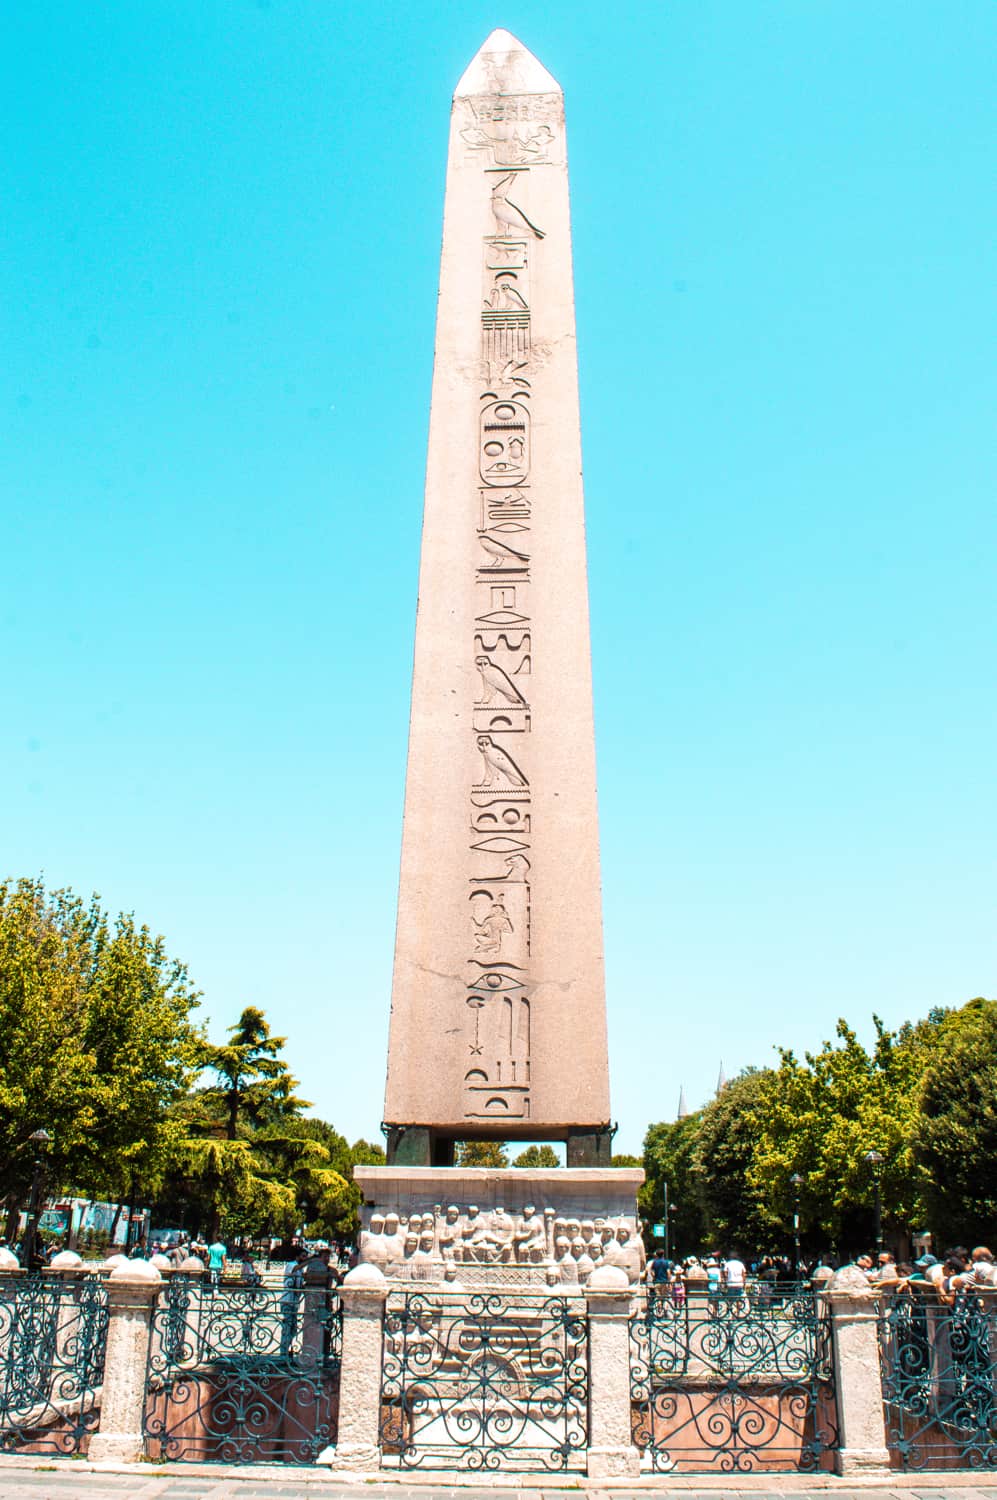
x=498, y=763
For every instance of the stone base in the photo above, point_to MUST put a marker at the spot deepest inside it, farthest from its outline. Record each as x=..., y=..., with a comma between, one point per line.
x=116, y=1447
x=470, y=1224
x=353, y=1458
x=861, y=1460
x=613, y=1463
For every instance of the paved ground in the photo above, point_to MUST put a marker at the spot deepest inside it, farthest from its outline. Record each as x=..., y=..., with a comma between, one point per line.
x=67, y=1480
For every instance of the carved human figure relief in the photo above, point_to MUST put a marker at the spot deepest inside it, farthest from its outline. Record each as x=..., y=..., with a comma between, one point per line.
x=510, y=146
x=498, y=765
x=491, y=930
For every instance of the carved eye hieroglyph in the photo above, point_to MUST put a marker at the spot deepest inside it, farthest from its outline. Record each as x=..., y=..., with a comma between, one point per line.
x=505, y=443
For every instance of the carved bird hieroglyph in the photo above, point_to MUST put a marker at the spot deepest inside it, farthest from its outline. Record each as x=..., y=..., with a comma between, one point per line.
x=500, y=553
x=508, y=218
x=494, y=680
x=498, y=763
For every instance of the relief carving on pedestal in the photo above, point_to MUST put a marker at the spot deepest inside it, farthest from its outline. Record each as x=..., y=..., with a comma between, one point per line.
x=556, y=1249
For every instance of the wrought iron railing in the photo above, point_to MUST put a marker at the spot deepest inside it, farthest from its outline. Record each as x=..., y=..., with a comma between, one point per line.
x=490, y=1380
x=243, y=1374
x=939, y=1369
x=53, y=1333
x=722, y=1384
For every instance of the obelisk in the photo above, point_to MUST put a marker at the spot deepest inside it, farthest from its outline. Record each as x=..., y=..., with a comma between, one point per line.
x=498, y=1023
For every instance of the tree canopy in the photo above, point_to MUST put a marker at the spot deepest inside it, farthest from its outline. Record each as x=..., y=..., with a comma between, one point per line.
x=98, y=1043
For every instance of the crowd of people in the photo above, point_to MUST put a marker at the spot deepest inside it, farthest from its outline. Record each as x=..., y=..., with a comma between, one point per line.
x=769, y=1278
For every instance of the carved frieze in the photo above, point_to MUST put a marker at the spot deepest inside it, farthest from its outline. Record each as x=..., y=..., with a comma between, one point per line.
x=527, y=1242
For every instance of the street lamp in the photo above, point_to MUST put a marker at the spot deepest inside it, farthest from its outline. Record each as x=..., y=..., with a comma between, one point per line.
x=875, y=1160
x=664, y=1189
x=796, y=1182
x=40, y=1140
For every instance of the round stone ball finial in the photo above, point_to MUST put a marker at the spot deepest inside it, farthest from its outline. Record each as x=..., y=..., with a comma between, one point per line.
x=8, y=1260
x=161, y=1262
x=66, y=1260
x=365, y=1275
x=608, y=1279
x=114, y=1260
x=136, y=1270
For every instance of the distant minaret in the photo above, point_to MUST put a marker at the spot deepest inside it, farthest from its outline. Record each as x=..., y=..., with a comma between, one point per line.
x=683, y=1113
x=722, y=1079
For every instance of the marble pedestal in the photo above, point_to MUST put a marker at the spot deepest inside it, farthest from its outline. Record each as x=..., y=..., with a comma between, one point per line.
x=515, y=1227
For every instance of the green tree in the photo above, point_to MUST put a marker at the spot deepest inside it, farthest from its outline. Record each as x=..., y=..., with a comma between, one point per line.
x=537, y=1156
x=254, y=1083
x=722, y=1159
x=624, y=1159
x=819, y=1118
x=670, y=1157
x=481, y=1154
x=955, y=1144
x=98, y=1043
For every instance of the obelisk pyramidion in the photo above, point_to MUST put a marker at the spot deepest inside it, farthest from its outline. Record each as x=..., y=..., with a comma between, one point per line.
x=498, y=1024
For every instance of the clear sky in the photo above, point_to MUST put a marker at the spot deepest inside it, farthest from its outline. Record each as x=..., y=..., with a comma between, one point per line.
x=219, y=263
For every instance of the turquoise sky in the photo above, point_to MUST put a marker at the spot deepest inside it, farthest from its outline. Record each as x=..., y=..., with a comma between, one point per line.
x=221, y=235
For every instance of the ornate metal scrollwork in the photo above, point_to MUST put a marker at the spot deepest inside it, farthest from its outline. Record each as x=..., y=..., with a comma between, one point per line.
x=939, y=1370
x=241, y=1374
x=484, y=1381
x=52, y=1339
x=723, y=1384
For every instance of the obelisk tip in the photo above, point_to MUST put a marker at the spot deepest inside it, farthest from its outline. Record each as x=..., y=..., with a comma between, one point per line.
x=502, y=65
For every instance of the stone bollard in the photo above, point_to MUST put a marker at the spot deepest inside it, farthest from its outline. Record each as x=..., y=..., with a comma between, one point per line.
x=611, y=1452
x=132, y=1289
x=363, y=1293
x=854, y=1304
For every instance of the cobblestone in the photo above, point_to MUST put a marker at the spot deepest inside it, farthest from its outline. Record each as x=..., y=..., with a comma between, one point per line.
x=72, y=1480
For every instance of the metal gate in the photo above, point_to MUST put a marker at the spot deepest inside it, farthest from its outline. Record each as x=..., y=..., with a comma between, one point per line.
x=53, y=1333
x=732, y=1384
x=242, y=1374
x=494, y=1380
x=939, y=1364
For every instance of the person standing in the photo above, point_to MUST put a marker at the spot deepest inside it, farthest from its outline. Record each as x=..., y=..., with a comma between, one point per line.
x=290, y=1299
x=734, y=1276
x=217, y=1260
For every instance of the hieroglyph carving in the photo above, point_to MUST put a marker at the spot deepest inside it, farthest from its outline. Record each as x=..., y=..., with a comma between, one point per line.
x=521, y=134
x=507, y=137
x=512, y=132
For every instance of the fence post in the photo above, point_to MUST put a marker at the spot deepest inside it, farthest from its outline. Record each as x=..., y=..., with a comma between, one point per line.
x=611, y=1450
x=862, y=1443
x=132, y=1289
x=363, y=1294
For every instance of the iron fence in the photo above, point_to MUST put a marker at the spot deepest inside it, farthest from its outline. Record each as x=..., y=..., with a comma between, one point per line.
x=243, y=1374
x=53, y=1333
x=730, y=1384
x=938, y=1365
x=492, y=1380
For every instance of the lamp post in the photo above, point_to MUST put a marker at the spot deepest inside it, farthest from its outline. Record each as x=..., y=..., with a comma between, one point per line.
x=669, y=1228
x=875, y=1160
x=40, y=1140
x=664, y=1189
x=796, y=1182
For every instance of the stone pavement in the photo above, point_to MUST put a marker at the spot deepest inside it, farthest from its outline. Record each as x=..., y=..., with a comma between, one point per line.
x=70, y=1479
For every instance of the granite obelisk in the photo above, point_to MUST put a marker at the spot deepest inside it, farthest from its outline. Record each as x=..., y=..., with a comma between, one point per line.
x=498, y=1025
